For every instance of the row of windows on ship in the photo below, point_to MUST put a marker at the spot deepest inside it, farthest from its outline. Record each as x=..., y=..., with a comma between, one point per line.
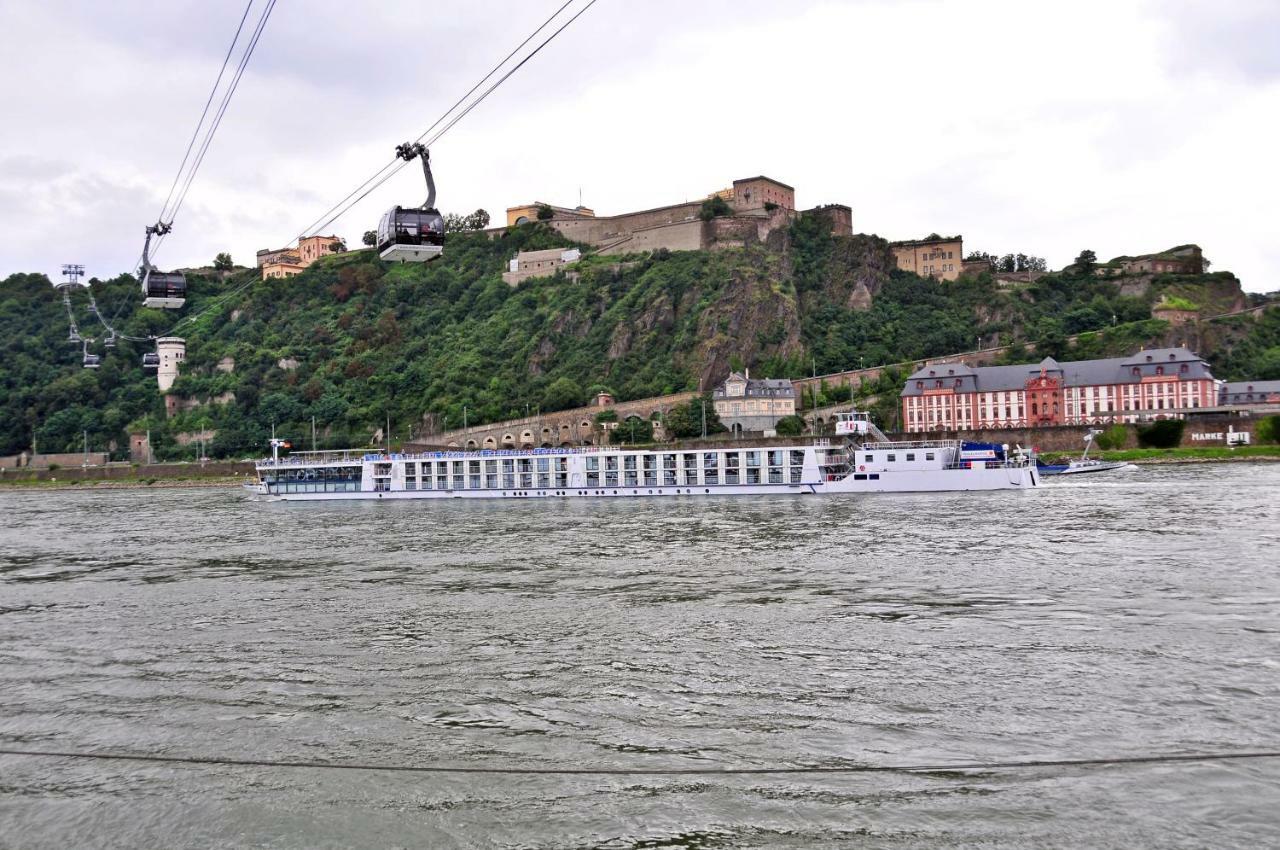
x=776, y=466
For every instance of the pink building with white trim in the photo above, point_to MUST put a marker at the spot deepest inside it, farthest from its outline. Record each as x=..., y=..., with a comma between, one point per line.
x=1157, y=384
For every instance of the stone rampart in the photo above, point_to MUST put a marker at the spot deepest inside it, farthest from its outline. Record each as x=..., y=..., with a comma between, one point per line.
x=27, y=460
x=575, y=427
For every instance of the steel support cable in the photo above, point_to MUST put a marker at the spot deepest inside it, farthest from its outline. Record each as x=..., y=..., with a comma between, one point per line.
x=941, y=767
x=402, y=163
x=397, y=163
x=204, y=114
x=217, y=121
x=462, y=114
x=222, y=111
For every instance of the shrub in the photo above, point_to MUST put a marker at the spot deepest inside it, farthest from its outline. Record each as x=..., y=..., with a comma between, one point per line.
x=1164, y=434
x=1113, y=438
x=790, y=426
x=54, y=467
x=545, y=213
x=714, y=206
x=1268, y=430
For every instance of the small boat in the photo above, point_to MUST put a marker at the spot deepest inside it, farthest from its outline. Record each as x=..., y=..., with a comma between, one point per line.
x=1084, y=464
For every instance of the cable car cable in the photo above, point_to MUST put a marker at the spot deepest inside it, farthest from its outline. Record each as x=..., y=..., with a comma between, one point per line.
x=459, y=117
x=1024, y=764
x=195, y=133
x=222, y=109
x=395, y=161
x=217, y=120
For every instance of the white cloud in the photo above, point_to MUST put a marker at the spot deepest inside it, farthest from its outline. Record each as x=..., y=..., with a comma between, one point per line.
x=1119, y=126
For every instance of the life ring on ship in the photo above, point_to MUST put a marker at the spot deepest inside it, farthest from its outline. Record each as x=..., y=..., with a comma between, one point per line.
x=862, y=468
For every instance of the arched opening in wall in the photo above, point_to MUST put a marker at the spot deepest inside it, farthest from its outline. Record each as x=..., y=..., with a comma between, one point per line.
x=526, y=438
x=524, y=219
x=472, y=445
x=490, y=443
x=565, y=444
x=546, y=435
x=736, y=429
x=508, y=441
x=454, y=444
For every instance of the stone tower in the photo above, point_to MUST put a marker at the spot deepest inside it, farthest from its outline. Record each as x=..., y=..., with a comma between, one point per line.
x=172, y=351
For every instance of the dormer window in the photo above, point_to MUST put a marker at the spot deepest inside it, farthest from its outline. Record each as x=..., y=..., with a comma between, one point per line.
x=938, y=384
x=1148, y=358
x=1183, y=368
x=1136, y=372
x=1159, y=370
x=919, y=385
x=1173, y=357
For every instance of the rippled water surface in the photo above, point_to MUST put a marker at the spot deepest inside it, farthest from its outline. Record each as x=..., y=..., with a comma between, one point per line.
x=1134, y=613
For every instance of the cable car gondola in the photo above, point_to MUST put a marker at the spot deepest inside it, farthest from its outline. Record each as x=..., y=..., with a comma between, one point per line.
x=150, y=361
x=91, y=361
x=413, y=234
x=161, y=289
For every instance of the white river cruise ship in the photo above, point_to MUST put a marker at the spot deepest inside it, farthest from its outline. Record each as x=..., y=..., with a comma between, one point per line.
x=852, y=464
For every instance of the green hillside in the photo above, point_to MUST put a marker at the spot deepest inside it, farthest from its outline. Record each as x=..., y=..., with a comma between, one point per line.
x=352, y=342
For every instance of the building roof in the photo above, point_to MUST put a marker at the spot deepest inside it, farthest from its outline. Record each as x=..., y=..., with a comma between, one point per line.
x=1243, y=388
x=757, y=387
x=1073, y=373
x=907, y=243
x=766, y=179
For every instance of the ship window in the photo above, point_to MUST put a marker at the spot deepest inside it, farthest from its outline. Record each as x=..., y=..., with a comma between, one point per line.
x=593, y=464
x=859, y=476
x=709, y=460
x=753, y=475
x=869, y=458
x=753, y=458
x=797, y=457
x=911, y=456
x=797, y=474
x=874, y=476
x=891, y=458
x=928, y=455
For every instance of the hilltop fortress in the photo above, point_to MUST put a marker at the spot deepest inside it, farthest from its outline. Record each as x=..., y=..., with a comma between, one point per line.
x=746, y=213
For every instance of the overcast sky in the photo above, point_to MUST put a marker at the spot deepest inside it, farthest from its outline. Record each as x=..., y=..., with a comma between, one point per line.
x=1120, y=126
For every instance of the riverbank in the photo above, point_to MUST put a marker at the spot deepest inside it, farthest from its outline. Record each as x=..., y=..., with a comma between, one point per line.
x=122, y=483
x=1198, y=454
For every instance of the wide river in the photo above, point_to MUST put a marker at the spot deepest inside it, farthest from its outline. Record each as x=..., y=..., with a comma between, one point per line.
x=1136, y=613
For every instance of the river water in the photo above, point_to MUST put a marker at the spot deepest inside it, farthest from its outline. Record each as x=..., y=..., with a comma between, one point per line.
x=1135, y=613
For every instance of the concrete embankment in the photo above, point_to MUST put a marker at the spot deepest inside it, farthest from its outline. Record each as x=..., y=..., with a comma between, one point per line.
x=211, y=474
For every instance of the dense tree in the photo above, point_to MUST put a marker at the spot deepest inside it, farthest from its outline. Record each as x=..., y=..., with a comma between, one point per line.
x=222, y=262
x=563, y=393
x=713, y=207
x=1086, y=261
x=370, y=238
x=685, y=420
x=790, y=426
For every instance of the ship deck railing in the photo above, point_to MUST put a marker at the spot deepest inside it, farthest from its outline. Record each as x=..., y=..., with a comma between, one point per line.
x=353, y=456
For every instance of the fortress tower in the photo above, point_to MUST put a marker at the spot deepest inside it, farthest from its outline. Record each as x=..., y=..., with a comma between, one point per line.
x=172, y=351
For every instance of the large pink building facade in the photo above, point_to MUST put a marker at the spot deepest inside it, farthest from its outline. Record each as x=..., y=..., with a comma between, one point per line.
x=1160, y=383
